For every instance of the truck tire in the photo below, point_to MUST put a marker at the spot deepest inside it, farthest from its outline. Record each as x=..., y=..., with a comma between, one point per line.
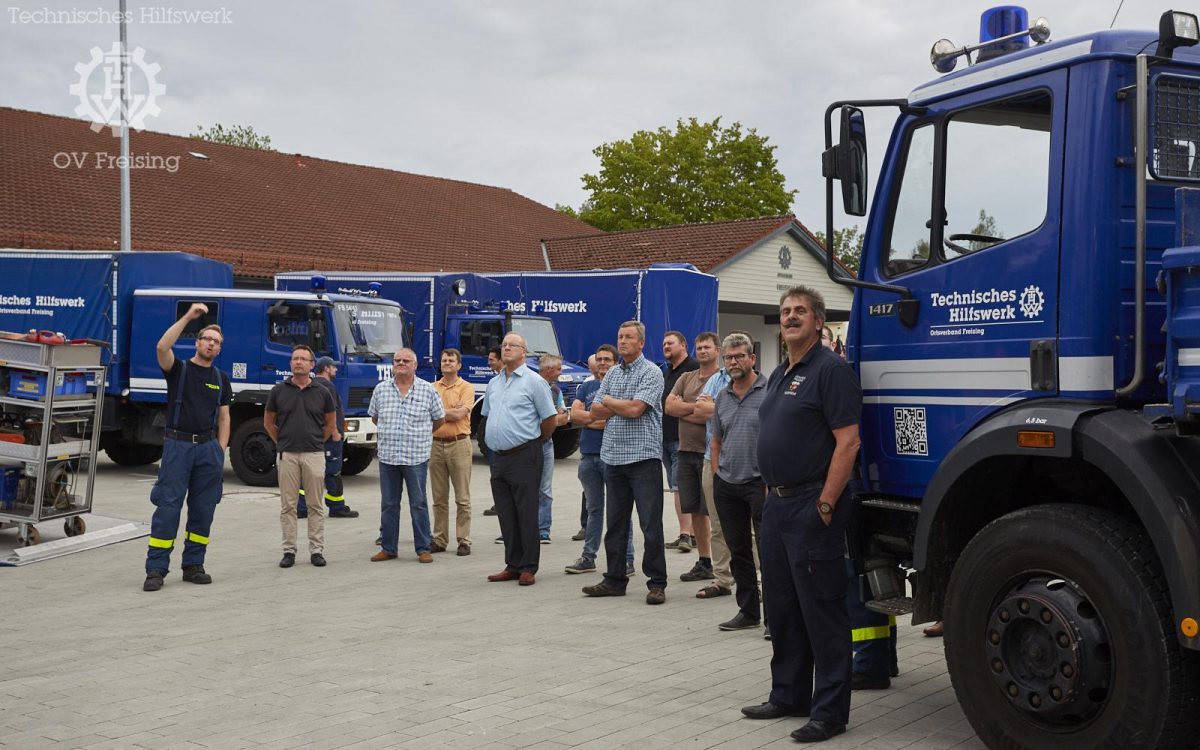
x=566, y=442
x=356, y=459
x=1059, y=633
x=125, y=453
x=252, y=453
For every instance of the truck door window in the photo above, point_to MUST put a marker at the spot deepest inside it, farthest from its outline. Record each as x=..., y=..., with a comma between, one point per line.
x=288, y=324
x=477, y=336
x=909, y=239
x=997, y=173
x=213, y=315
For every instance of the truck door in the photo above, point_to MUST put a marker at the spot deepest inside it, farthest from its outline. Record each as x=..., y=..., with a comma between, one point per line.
x=289, y=324
x=475, y=337
x=241, y=355
x=970, y=207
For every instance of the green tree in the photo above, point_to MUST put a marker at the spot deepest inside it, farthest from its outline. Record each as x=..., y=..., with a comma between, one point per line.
x=697, y=172
x=987, y=228
x=847, y=246
x=234, y=135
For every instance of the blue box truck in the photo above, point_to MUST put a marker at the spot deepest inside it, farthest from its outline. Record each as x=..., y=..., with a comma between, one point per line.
x=127, y=300
x=568, y=313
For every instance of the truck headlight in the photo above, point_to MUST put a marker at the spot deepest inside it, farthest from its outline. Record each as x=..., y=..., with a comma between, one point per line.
x=350, y=426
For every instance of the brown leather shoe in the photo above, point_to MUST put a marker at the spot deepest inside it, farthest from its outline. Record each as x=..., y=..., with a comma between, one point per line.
x=504, y=575
x=527, y=579
x=424, y=557
x=380, y=556
x=936, y=630
x=464, y=550
x=435, y=547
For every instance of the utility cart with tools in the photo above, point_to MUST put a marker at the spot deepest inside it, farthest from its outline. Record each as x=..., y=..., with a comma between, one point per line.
x=49, y=422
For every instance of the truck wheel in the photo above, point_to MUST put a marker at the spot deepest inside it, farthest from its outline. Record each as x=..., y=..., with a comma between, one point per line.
x=252, y=453
x=126, y=453
x=355, y=459
x=566, y=442
x=1059, y=634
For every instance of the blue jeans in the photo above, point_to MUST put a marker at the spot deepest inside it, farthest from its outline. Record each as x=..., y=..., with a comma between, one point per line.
x=591, y=476
x=392, y=480
x=637, y=484
x=546, y=491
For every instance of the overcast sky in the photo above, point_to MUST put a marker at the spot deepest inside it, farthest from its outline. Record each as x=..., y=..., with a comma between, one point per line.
x=515, y=93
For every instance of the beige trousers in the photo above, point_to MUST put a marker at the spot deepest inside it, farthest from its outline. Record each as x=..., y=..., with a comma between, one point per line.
x=720, y=550
x=307, y=469
x=450, y=463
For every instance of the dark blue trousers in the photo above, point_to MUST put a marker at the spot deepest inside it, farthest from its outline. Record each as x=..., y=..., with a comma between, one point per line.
x=872, y=633
x=334, y=497
x=804, y=594
x=627, y=485
x=191, y=473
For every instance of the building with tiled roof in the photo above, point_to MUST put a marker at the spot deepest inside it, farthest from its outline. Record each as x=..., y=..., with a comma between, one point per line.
x=260, y=211
x=755, y=260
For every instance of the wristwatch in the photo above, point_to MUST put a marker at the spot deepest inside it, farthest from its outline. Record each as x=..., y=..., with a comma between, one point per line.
x=824, y=508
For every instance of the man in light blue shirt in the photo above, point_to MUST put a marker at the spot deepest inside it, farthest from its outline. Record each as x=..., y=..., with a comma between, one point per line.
x=520, y=418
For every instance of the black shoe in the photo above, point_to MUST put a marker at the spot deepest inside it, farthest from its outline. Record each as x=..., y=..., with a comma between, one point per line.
x=603, y=589
x=739, y=622
x=196, y=574
x=769, y=711
x=317, y=559
x=766, y=632
x=675, y=544
x=817, y=731
x=867, y=682
x=490, y=511
x=699, y=572
x=302, y=514
x=154, y=581
x=343, y=513
x=578, y=537
x=289, y=559
x=378, y=541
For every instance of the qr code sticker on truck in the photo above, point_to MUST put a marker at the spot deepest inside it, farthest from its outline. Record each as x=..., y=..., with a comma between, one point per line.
x=911, y=436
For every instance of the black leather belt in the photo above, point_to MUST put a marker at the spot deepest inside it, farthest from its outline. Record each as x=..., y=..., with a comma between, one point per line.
x=791, y=490
x=188, y=437
x=521, y=447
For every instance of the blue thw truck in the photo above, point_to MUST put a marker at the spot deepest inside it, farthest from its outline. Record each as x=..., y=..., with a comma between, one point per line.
x=567, y=313
x=127, y=300
x=1026, y=328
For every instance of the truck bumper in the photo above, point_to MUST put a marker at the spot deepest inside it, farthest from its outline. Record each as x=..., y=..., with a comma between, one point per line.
x=359, y=431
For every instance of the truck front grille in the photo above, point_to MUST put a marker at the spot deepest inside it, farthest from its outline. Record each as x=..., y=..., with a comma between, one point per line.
x=360, y=397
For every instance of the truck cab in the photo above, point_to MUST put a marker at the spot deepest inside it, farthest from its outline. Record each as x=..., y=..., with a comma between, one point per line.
x=473, y=329
x=1023, y=329
x=260, y=330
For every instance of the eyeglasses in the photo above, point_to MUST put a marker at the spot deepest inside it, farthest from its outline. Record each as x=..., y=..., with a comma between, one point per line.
x=736, y=357
x=511, y=346
x=210, y=340
x=404, y=361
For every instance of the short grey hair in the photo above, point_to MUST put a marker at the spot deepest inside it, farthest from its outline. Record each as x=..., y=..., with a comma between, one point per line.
x=641, y=328
x=737, y=339
x=549, y=360
x=815, y=300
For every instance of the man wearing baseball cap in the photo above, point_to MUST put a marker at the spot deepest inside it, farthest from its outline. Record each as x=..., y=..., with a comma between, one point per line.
x=325, y=371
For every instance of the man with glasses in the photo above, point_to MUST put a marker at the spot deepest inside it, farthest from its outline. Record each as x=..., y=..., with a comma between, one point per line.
x=300, y=417
x=738, y=484
x=193, y=460
x=521, y=418
x=407, y=411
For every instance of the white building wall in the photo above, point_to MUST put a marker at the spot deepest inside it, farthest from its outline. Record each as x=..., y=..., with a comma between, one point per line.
x=760, y=276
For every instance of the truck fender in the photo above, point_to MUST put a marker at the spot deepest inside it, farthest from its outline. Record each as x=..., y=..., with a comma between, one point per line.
x=1149, y=466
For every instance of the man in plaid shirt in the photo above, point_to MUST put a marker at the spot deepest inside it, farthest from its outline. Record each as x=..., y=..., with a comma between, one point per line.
x=630, y=398
x=407, y=411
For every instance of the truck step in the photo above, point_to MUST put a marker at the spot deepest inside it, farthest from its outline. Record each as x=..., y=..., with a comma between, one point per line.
x=888, y=503
x=900, y=605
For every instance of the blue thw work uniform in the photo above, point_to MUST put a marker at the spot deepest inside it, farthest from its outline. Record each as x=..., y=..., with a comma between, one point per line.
x=803, y=560
x=192, y=466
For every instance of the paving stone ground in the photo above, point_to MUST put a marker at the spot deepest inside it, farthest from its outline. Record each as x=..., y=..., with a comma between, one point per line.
x=396, y=654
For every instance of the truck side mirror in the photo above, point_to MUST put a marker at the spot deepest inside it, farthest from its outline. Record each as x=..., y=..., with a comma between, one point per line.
x=318, y=331
x=847, y=161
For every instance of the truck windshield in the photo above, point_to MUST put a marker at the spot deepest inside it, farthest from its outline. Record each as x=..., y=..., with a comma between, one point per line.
x=369, y=328
x=538, y=333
